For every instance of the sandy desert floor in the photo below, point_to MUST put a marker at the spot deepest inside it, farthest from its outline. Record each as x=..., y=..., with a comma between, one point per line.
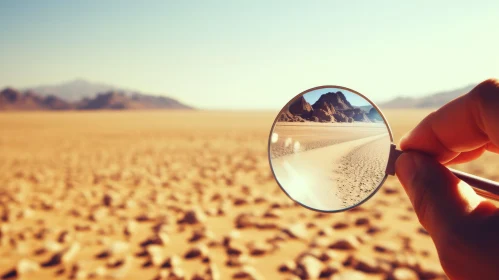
x=158, y=195
x=329, y=166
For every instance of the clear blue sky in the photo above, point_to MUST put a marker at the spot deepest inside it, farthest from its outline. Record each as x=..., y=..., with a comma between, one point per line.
x=251, y=54
x=354, y=99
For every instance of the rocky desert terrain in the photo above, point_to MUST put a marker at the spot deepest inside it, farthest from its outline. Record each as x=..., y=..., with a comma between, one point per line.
x=330, y=107
x=186, y=195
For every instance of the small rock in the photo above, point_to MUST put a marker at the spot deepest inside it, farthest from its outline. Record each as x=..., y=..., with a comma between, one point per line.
x=311, y=225
x=233, y=235
x=266, y=225
x=377, y=214
x=240, y=201
x=366, y=264
x=361, y=221
x=236, y=261
x=259, y=248
x=298, y=230
x=63, y=237
x=144, y=217
x=235, y=249
x=328, y=255
x=373, y=230
x=196, y=252
x=201, y=233
x=83, y=227
x=326, y=231
x=77, y=272
x=191, y=217
x=64, y=256
x=330, y=269
x=278, y=237
x=348, y=243
x=172, y=262
x=157, y=239
x=272, y=213
x=387, y=189
x=340, y=225
x=244, y=220
x=287, y=266
x=386, y=247
x=107, y=200
x=11, y=274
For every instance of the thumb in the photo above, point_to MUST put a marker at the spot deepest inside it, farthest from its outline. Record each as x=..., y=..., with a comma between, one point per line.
x=439, y=198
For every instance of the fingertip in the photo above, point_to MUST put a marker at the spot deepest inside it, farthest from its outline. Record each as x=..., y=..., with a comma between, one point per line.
x=404, y=140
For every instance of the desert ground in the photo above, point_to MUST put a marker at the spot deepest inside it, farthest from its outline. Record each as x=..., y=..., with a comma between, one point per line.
x=187, y=195
x=329, y=167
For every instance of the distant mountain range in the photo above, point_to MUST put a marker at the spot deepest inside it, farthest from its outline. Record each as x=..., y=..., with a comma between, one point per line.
x=82, y=95
x=430, y=101
x=330, y=107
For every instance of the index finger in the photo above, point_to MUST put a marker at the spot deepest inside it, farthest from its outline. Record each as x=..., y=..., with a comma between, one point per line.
x=465, y=124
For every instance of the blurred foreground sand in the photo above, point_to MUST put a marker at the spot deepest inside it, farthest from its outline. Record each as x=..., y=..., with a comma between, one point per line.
x=142, y=195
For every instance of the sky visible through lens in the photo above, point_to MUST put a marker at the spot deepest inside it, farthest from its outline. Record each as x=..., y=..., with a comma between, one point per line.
x=354, y=99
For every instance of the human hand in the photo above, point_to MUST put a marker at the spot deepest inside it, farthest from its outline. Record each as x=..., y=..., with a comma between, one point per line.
x=463, y=225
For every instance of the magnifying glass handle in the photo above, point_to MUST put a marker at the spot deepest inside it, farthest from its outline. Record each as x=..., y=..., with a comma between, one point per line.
x=483, y=187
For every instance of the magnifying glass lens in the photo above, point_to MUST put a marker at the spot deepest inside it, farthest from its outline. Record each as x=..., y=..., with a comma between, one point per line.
x=329, y=148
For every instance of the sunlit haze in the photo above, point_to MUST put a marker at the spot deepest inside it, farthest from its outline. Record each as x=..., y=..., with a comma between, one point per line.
x=251, y=54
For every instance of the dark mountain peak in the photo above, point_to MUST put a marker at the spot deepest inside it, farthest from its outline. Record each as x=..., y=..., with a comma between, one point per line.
x=300, y=107
x=81, y=92
x=330, y=107
x=325, y=106
x=107, y=100
x=11, y=95
x=335, y=99
x=12, y=99
x=55, y=103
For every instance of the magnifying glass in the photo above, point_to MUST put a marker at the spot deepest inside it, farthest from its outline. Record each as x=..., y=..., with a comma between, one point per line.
x=331, y=149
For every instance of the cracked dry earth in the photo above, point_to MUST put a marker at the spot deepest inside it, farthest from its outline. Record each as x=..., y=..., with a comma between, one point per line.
x=363, y=170
x=183, y=195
